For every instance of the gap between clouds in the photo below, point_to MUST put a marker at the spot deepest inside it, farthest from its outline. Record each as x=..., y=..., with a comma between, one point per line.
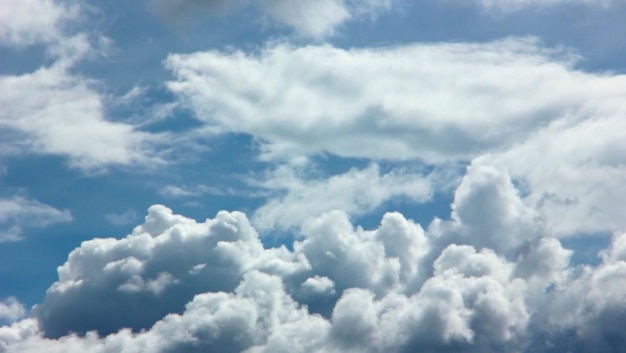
x=490, y=278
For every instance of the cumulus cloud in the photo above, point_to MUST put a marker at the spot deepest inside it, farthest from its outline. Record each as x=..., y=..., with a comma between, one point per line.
x=178, y=285
x=53, y=110
x=507, y=102
x=17, y=213
x=310, y=18
x=357, y=192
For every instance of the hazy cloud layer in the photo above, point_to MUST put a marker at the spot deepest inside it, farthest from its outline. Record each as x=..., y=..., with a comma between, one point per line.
x=508, y=6
x=477, y=282
x=309, y=18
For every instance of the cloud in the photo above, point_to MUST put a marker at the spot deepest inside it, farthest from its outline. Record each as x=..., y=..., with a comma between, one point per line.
x=576, y=170
x=53, y=110
x=11, y=309
x=175, y=191
x=178, y=285
x=17, y=213
x=506, y=102
x=434, y=102
x=357, y=192
x=509, y=6
x=124, y=218
x=309, y=18
x=66, y=117
x=35, y=21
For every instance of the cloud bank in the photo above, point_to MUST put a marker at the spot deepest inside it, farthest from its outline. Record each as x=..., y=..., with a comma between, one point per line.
x=490, y=278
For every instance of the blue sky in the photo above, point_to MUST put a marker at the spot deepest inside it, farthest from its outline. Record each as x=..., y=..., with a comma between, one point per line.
x=399, y=156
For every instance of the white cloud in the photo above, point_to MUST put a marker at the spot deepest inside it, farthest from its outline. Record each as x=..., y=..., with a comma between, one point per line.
x=28, y=22
x=489, y=209
x=53, y=110
x=509, y=102
x=508, y=6
x=357, y=192
x=309, y=18
x=435, y=102
x=182, y=285
x=18, y=213
x=11, y=309
x=577, y=166
x=176, y=191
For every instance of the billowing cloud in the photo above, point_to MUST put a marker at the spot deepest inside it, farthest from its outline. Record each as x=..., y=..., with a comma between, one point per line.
x=178, y=285
x=310, y=18
x=18, y=213
x=357, y=192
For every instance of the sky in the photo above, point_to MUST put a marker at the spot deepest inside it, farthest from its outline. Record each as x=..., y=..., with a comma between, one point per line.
x=313, y=176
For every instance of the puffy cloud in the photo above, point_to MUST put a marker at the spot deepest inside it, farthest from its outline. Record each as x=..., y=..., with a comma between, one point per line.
x=583, y=313
x=311, y=18
x=17, y=213
x=178, y=285
x=490, y=210
x=152, y=272
x=357, y=192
